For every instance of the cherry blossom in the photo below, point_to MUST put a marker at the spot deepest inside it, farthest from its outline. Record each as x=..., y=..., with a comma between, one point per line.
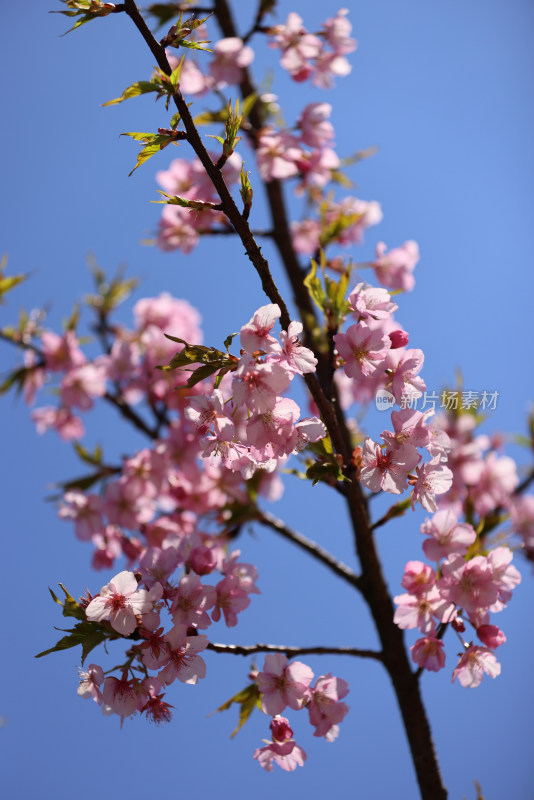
x=428, y=653
x=283, y=684
x=473, y=664
x=121, y=601
x=325, y=709
x=387, y=469
x=183, y=661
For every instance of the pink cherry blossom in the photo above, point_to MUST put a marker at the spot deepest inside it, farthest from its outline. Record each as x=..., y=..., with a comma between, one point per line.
x=448, y=536
x=277, y=155
x=371, y=302
x=257, y=384
x=191, y=602
x=418, y=611
x=325, y=709
x=495, y=485
x=120, y=601
x=469, y=584
x=429, y=653
x=405, y=366
x=184, y=663
x=473, y=664
x=294, y=355
x=124, y=696
x=297, y=45
x=63, y=420
x=418, y=578
x=387, y=469
x=432, y=478
x=231, y=600
x=246, y=574
x=288, y=755
x=255, y=335
x=410, y=427
x=81, y=384
x=231, y=55
x=90, y=680
x=283, y=684
x=85, y=510
x=491, y=636
x=155, y=708
x=61, y=352
x=305, y=236
x=207, y=410
x=394, y=270
x=337, y=33
x=362, y=349
x=315, y=129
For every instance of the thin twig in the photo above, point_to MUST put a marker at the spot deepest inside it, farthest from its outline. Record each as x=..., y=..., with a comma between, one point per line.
x=311, y=547
x=290, y=652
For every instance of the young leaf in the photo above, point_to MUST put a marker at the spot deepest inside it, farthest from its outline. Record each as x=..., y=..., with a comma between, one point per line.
x=87, y=10
x=248, y=699
x=88, y=634
x=153, y=143
x=141, y=87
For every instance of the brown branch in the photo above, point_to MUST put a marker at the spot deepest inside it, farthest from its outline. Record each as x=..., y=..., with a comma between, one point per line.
x=290, y=652
x=310, y=547
x=128, y=413
x=227, y=202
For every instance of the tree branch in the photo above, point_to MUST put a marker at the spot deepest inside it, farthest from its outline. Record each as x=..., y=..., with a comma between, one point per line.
x=290, y=652
x=315, y=550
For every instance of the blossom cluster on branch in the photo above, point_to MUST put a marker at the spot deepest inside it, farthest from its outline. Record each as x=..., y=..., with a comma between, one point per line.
x=221, y=427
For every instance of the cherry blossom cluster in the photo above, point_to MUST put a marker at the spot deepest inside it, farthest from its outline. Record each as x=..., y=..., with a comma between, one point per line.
x=221, y=427
x=174, y=655
x=284, y=684
x=474, y=576
x=260, y=428
x=375, y=357
x=214, y=440
x=319, y=56
x=306, y=152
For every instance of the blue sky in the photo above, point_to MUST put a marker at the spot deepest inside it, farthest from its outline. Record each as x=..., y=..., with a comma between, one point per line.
x=444, y=90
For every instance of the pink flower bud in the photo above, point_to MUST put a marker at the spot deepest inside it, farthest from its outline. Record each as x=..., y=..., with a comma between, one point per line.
x=491, y=636
x=398, y=338
x=202, y=560
x=458, y=625
x=280, y=729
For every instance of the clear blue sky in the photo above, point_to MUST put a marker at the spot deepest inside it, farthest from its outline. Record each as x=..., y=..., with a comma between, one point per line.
x=444, y=89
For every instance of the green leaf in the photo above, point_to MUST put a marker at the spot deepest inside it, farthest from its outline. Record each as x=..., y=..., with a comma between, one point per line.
x=184, y=202
x=153, y=143
x=175, y=119
x=325, y=471
x=87, y=634
x=70, y=607
x=198, y=375
x=174, y=77
x=228, y=341
x=248, y=103
x=248, y=699
x=8, y=283
x=87, y=10
x=94, y=459
x=83, y=483
x=15, y=378
x=136, y=89
x=315, y=287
